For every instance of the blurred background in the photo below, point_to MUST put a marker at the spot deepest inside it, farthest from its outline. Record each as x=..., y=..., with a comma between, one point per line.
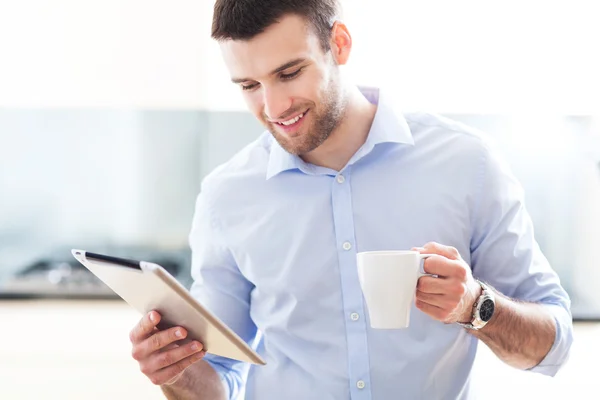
x=111, y=113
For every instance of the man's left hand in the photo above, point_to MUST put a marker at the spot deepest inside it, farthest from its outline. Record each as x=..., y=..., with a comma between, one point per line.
x=450, y=296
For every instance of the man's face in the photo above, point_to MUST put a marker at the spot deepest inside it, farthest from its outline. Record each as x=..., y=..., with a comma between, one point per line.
x=289, y=83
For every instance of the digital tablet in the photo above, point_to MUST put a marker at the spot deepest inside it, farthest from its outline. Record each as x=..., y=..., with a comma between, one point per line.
x=147, y=286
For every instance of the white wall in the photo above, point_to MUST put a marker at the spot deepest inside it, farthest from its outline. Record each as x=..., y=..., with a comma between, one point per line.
x=104, y=53
x=462, y=56
x=467, y=56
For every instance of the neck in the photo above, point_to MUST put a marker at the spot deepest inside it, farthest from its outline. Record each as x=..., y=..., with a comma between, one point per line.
x=348, y=136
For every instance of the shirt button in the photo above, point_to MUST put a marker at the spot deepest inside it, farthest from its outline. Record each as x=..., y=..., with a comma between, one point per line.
x=347, y=245
x=360, y=384
x=341, y=179
x=354, y=316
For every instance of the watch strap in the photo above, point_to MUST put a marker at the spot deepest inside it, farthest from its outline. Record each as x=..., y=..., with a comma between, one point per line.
x=485, y=290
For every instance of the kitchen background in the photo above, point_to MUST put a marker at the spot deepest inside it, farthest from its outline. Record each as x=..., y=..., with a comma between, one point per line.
x=112, y=112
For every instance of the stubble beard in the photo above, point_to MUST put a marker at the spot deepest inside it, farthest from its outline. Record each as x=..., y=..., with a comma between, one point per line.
x=325, y=119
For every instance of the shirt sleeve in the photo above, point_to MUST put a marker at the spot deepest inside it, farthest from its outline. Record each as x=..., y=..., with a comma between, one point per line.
x=505, y=253
x=220, y=286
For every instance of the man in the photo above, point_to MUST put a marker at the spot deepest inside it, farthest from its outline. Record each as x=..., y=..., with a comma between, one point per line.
x=340, y=171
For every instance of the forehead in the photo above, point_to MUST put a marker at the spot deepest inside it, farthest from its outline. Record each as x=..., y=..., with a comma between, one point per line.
x=288, y=39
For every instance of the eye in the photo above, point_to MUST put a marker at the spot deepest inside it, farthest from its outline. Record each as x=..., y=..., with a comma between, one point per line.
x=249, y=87
x=292, y=75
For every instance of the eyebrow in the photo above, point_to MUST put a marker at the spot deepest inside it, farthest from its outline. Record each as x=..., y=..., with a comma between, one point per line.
x=276, y=70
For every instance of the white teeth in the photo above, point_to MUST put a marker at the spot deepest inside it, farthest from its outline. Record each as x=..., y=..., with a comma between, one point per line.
x=293, y=120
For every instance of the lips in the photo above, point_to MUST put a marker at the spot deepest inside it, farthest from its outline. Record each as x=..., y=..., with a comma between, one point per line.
x=292, y=124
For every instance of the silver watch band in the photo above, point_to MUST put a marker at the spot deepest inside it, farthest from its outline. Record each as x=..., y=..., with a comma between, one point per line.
x=476, y=323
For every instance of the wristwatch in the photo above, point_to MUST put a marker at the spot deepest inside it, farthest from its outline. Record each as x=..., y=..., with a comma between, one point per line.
x=483, y=309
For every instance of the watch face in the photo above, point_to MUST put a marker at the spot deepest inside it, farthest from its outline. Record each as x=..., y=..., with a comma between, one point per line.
x=487, y=310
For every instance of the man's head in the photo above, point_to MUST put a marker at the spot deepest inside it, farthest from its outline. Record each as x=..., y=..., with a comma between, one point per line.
x=285, y=56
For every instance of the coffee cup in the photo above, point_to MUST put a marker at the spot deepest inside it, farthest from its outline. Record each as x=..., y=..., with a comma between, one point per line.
x=388, y=280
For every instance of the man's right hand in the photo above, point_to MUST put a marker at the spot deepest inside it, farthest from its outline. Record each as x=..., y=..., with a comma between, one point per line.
x=159, y=355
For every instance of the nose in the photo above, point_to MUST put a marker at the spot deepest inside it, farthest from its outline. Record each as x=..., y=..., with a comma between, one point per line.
x=276, y=102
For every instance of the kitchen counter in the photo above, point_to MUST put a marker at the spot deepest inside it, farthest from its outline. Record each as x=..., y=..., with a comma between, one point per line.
x=67, y=350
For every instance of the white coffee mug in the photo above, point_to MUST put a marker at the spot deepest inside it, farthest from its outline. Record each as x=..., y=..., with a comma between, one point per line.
x=388, y=280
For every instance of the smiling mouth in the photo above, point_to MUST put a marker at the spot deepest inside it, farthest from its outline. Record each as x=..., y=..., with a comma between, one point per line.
x=292, y=121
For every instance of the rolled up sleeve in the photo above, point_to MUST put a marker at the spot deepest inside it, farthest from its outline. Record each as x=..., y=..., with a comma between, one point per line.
x=505, y=253
x=559, y=353
x=221, y=287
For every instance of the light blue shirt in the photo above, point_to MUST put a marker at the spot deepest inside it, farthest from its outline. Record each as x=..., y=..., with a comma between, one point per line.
x=274, y=244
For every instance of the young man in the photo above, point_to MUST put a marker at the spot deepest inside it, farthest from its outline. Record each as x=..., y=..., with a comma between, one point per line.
x=339, y=171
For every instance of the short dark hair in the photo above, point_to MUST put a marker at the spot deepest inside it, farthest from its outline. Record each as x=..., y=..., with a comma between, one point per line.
x=244, y=19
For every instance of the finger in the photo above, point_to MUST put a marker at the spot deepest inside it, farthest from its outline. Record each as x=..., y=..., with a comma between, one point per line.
x=167, y=375
x=429, y=284
x=139, y=356
x=431, y=310
x=446, y=251
x=451, y=287
x=158, y=341
x=171, y=346
x=165, y=359
x=442, y=267
x=145, y=327
x=438, y=300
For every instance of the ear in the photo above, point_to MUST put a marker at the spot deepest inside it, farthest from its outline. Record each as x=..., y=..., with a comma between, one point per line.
x=341, y=43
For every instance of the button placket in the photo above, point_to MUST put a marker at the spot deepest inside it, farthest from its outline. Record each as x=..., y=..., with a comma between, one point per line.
x=356, y=328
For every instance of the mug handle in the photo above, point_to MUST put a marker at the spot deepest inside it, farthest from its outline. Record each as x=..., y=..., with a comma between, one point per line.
x=422, y=272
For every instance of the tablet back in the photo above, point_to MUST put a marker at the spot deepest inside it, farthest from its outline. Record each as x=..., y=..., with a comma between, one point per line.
x=147, y=286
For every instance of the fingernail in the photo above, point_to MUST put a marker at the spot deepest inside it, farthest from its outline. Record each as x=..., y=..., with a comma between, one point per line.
x=195, y=346
x=152, y=317
x=178, y=333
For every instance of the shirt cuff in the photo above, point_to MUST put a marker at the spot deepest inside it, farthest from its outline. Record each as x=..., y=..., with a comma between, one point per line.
x=559, y=353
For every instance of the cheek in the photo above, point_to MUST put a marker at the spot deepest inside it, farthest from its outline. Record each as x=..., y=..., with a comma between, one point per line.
x=254, y=103
x=307, y=88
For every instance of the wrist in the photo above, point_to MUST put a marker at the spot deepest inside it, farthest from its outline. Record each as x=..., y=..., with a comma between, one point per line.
x=475, y=291
x=482, y=309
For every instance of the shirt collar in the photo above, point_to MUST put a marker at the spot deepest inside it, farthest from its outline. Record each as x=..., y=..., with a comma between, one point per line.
x=389, y=126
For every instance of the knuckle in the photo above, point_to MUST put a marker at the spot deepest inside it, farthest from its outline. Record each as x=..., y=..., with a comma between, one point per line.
x=457, y=290
x=461, y=272
x=454, y=251
x=135, y=353
x=156, y=341
x=145, y=369
x=166, y=359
